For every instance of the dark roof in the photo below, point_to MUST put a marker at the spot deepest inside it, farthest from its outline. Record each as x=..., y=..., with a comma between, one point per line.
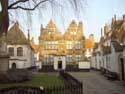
x=16, y=36
x=117, y=46
x=106, y=50
x=118, y=33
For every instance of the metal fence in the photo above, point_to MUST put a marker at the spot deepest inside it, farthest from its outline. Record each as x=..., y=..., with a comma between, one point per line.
x=74, y=85
x=71, y=86
x=22, y=90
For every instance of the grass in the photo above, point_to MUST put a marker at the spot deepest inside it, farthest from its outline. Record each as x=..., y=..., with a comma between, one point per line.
x=39, y=79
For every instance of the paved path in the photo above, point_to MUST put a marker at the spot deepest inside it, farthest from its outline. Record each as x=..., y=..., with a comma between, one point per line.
x=95, y=83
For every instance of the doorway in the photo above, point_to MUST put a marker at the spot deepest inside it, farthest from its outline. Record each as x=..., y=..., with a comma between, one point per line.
x=122, y=76
x=14, y=66
x=59, y=64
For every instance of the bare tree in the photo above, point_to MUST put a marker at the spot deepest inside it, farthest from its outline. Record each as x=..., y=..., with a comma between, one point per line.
x=29, y=5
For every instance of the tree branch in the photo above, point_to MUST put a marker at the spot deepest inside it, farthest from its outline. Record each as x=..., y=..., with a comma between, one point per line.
x=24, y=8
x=15, y=3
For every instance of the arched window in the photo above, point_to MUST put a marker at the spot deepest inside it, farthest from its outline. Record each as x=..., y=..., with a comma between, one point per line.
x=11, y=51
x=19, y=51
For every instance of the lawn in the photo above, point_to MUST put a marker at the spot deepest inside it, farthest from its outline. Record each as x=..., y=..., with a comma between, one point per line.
x=39, y=79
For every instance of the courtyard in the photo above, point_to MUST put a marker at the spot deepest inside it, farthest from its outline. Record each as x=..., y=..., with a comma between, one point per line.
x=95, y=83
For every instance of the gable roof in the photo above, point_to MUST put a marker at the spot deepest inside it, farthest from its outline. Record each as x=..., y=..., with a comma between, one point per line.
x=35, y=47
x=16, y=36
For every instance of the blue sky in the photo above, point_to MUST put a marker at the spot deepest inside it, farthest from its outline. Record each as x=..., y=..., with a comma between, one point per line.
x=94, y=16
x=99, y=12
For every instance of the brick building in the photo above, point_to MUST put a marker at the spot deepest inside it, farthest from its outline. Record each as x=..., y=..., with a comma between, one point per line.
x=61, y=51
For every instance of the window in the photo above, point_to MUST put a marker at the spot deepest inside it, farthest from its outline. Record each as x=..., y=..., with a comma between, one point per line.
x=48, y=59
x=69, y=59
x=78, y=58
x=69, y=45
x=51, y=32
x=73, y=33
x=51, y=44
x=11, y=51
x=54, y=45
x=19, y=51
x=78, y=45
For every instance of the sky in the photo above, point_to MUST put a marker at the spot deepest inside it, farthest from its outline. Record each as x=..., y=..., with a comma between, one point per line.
x=95, y=15
x=100, y=12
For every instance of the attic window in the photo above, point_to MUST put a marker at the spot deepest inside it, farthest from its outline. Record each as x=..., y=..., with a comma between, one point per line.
x=73, y=33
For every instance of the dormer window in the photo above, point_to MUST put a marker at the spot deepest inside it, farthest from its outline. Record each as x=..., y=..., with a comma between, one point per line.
x=73, y=32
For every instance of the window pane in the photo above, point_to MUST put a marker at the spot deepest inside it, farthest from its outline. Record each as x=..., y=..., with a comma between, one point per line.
x=78, y=45
x=69, y=59
x=19, y=51
x=69, y=45
x=11, y=51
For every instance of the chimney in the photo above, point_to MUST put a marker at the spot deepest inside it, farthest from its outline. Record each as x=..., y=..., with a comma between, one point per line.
x=106, y=29
x=41, y=29
x=91, y=37
x=115, y=17
x=123, y=18
x=17, y=23
x=114, y=20
x=80, y=27
x=101, y=32
x=28, y=35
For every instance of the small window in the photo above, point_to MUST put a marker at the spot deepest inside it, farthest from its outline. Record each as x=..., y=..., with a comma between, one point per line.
x=78, y=45
x=78, y=57
x=69, y=45
x=11, y=51
x=19, y=51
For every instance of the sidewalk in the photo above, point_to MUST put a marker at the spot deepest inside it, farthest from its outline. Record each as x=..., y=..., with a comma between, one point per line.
x=95, y=83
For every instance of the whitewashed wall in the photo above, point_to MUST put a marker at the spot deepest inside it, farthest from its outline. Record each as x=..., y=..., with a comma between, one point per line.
x=59, y=58
x=25, y=61
x=98, y=61
x=84, y=65
x=92, y=62
x=114, y=61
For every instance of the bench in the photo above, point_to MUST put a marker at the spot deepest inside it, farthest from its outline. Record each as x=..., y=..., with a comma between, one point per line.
x=103, y=70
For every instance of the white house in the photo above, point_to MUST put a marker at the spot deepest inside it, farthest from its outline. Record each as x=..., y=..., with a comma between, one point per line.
x=19, y=48
x=112, y=48
x=96, y=58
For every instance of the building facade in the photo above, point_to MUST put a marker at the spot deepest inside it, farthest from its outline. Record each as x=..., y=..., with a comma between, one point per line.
x=111, y=49
x=66, y=49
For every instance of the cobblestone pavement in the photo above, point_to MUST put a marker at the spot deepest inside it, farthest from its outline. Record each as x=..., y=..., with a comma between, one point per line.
x=95, y=83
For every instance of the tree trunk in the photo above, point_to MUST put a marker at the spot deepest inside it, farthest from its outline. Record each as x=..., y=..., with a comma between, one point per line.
x=4, y=17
